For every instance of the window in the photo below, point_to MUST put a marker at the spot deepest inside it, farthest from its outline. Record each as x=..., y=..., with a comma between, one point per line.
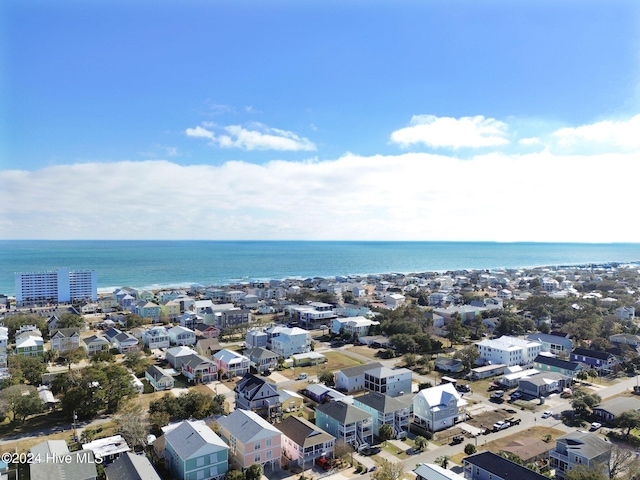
x=200, y=462
x=256, y=446
x=269, y=453
x=268, y=442
x=257, y=458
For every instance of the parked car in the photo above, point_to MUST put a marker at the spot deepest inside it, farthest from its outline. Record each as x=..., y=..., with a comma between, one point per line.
x=595, y=426
x=515, y=395
x=546, y=414
x=497, y=394
x=323, y=463
x=302, y=376
x=457, y=439
x=463, y=388
x=501, y=425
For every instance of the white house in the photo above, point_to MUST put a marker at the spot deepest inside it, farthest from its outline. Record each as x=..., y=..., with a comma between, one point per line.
x=509, y=351
x=234, y=364
x=286, y=341
x=182, y=336
x=394, y=300
x=392, y=382
x=156, y=337
x=352, y=379
x=353, y=325
x=439, y=407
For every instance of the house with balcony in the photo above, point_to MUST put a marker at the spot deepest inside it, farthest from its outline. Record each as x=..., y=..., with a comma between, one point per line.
x=262, y=360
x=254, y=393
x=580, y=448
x=65, y=340
x=508, y=350
x=303, y=442
x=192, y=450
x=355, y=326
x=170, y=309
x=351, y=310
x=182, y=336
x=544, y=363
x=231, y=363
x=351, y=379
x=147, y=309
x=346, y=422
x=199, y=369
x=554, y=344
x=125, y=343
x=251, y=439
x=232, y=316
x=313, y=315
x=156, y=337
x=158, y=378
x=626, y=313
x=94, y=344
x=603, y=362
x=131, y=466
x=256, y=338
x=439, y=407
x=389, y=381
x=30, y=346
x=543, y=384
x=285, y=341
x=385, y=410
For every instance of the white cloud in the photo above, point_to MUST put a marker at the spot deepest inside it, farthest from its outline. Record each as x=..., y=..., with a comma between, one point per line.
x=260, y=137
x=413, y=196
x=608, y=133
x=530, y=141
x=447, y=132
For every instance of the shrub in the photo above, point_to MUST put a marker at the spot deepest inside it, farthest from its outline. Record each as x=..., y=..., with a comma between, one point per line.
x=470, y=449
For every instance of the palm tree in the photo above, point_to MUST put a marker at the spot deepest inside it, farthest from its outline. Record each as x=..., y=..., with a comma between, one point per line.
x=420, y=442
x=443, y=461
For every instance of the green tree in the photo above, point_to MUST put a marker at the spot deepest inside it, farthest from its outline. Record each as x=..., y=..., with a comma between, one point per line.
x=27, y=405
x=629, y=420
x=347, y=297
x=385, y=432
x=88, y=435
x=470, y=449
x=421, y=442
x=386, y=470
x=327, y=378
x=30, y=369
x=403, y=343
x=582, y=472
x=410, y=359
x=456, y=330
x=74, y=356
x=443, y=461
x=234, y=475
x=468, y=356
x=70, y=320
x=136, y=361
x=254, y=472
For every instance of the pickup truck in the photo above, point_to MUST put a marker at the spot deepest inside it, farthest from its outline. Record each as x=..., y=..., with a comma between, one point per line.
x=501, y=425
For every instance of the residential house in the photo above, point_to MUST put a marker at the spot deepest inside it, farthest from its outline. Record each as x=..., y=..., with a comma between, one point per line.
x=208, y=346
x=156, y=337
x=251, y=440
x=147, y=309
x=355, y=326
x=206, y=331
x=261, y=359
x=351, y=310
x=439, y=407
x=291, y=401
x=30, y=346
x=130, y=466
x=190, y=319
x=389, y=381
x=352, y=379
x=580, y=448
x=94, y=344
x=286, y=341
x=625, y=339
x=158, y=378
x=65, y=340
x=256, y=339
x=448, y=364
x=125, y=343
x=394, y=300
x=232, y=316
x=543, y=384
x=194, y=451
x=199, y=369
x=544, y=363
x=254, y=393
x=529, y=449
x=176, y=355
x=313, y=315
x=320, y=393
x=170, y=309
x=303, y=442
x=430, y=471
x=508, y=351
x=554, y=344
x=346, y=422
x=231, y=363
x=626, y=313
x=601, y=361
x=491, y=466
x=182, y=336
x=81, y=464
x=107, y=448
x=609, y=410
x=385, y=410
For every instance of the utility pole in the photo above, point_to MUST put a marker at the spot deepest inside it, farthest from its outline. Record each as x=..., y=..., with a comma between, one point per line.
x=75, y=432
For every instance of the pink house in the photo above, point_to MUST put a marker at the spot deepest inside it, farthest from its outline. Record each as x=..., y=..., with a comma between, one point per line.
x=251, y=439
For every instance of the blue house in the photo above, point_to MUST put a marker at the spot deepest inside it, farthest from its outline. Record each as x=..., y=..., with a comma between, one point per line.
x=601, y=361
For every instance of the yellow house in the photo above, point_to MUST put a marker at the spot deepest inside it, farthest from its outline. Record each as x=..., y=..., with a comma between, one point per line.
x=170, y=309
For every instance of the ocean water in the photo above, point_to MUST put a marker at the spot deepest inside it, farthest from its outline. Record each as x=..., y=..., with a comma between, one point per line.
x=156, y=264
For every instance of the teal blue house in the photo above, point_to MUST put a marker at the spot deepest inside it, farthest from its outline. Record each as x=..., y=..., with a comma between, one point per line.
x=195, y=452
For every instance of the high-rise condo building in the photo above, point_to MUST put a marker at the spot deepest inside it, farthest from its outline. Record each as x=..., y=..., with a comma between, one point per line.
x=61, y=285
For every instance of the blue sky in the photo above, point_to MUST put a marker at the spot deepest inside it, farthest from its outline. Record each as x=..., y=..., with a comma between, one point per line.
x=367, y=120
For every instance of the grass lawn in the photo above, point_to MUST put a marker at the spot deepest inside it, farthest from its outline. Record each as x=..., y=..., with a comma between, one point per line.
x=335, y=361
x=365, y=351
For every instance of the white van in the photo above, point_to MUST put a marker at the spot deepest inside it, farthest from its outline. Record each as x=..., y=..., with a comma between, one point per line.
x=302, y=376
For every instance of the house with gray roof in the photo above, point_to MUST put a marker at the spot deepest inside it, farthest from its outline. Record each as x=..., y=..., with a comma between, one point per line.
x=555, y=344
x=193, y=450
x=580, y=448
x=544, y=363
x=303, y=442
x=385, y=410
x=352, y=379
x=65, y=339
x=130, y=466
x=158, y=378
x=261, y=359
x=254, y=393
x=81, y=464
x=610, y=409
x=488, y=465
x=251, y=439
x=390, y=381
x=95, y=343
x=346, y=422
x=543, y=384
